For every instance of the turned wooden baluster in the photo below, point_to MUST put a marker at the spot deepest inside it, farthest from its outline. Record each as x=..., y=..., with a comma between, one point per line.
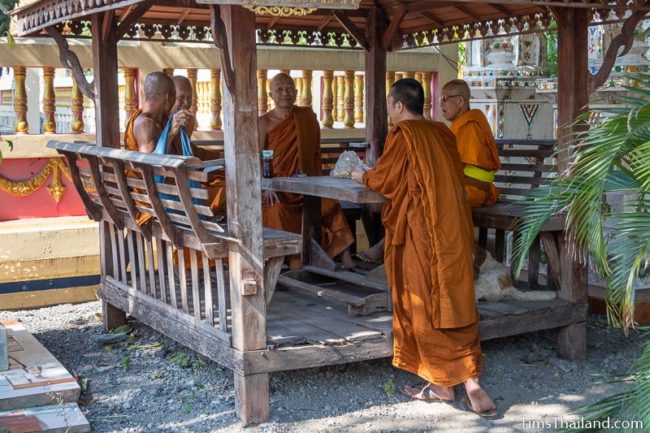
x=306, y=98
x=426, y=84
x=262, y=95
x=20, y=100
x=409, y=74
x=168, y=71
x=130, y=93
x=77, y=105
x=390, y=79
x=215, y=99
x=298, y=81
x=348, y=121
x=340, y=98
x=191, y=75
x=335, y=112
x=49, y=100
x=358, y=98
x=327, y=99
x=399, y=76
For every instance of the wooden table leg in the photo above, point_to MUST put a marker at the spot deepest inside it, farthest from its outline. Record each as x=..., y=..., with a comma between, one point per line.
x=310, y=225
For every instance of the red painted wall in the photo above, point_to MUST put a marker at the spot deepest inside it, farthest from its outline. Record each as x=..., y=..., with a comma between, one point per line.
x=39, y=204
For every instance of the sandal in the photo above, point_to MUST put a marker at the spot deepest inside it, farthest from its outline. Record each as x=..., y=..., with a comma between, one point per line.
x=424, y=394
x=364, y=258
x=492, y=413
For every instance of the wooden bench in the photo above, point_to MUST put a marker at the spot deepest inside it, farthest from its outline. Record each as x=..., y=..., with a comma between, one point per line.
x=525, y=165
x=175, y=265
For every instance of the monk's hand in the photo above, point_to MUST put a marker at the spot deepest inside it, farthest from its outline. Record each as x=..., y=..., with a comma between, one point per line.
x=180, y=119
x=357, y=175
x=269, y=198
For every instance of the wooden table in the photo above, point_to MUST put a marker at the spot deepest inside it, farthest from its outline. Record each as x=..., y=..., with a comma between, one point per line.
x=313, y=188
x=316, y=263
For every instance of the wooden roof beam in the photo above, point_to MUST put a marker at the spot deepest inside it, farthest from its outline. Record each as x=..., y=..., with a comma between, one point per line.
x=324, y=23
x=349, y=26
x=467, y=11
x=130, y=18
x=184, y=15
x=428, y=6
x=431, y=17
x=391, y=31
x=504, y=10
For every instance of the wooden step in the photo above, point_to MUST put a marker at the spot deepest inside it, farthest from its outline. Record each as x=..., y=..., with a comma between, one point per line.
x=63, y=418
x=4, y=354
x=35, y=377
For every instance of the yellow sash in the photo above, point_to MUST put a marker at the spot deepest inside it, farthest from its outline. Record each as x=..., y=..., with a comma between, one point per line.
x=478, y=173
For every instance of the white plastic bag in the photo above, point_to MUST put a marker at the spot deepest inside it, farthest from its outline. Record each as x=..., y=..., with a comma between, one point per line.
x=348, y=162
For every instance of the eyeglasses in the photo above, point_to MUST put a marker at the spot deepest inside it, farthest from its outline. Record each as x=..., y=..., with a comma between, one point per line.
x=446, y=98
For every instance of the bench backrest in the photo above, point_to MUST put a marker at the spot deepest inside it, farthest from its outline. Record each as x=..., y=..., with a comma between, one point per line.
x=525, y=164
x=331, y=149
x=179, y=215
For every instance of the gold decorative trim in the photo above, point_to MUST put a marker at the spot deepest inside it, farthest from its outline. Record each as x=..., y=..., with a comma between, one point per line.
x=279, y=11
x=27, y=187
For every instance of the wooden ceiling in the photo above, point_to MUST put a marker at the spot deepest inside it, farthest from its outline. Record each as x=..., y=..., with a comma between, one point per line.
x=430, y=21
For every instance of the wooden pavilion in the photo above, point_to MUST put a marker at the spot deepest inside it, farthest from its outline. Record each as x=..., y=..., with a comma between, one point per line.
x=236, y=331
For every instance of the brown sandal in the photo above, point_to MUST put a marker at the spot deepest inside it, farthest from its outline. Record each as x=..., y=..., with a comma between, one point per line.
x=487, y=414
x=424, y=394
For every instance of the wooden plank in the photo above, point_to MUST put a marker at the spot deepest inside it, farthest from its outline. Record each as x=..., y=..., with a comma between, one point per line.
x=499, y=245
x=117, y=265
x=151, y=268
x=63, y=418
x=171, y=275
x=194, y=334
x=207, y=287
x=141, y=270
x=221, y=295
x=161, y=270
x=171, y=204
x=4, y=349
x=196, y=296
x=182, y=279
x=321, y=292
x=132, y=259
x=271, y=273
x=172, y=190
x=324, y=186
x=121, y=248
x=350, y=277
x=533, y=264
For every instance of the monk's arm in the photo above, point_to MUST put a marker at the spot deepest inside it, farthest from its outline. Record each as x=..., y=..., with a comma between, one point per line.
x=381, y=177
x=144, y=131
x=470, y=142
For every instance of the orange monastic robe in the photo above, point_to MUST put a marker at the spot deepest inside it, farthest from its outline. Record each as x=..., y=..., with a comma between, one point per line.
x=428, y=253
x=296, y=148
x=216, y=184
x=477, y=147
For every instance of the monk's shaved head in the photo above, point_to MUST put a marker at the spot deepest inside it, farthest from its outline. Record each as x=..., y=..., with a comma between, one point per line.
x=283, y=91
x=410, y=93
x=458, y=87
x=157, y=84
x=181, y=82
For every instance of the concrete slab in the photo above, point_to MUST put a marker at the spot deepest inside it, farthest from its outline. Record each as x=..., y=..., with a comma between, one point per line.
x=64, y=418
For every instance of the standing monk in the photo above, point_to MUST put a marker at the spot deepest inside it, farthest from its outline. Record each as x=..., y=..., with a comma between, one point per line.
x=293, y=133
x=428, y=252
x=476, y=145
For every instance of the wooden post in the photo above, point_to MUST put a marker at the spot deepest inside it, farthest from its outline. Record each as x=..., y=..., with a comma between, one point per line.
x=426, y=85
x=191, y=75
x=376, y=111
x=358, y=98
x=327, y=99
x=215, y=99
x=246, y=264
x=20, y=100
x=348, y=101
x=573, y=99
x=340, y=98
x=263, y=96
x=49, y=100
x=77, y=105
x=390, y=79
x=306, y=87
x=107, y=126
x=130, y=93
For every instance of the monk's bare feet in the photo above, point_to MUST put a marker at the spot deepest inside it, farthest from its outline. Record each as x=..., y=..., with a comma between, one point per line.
x=430, y=392
x=373, y=254
x=480, y=402
x=346, y=260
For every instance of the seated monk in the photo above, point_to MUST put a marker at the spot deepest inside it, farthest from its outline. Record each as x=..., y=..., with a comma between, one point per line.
x=428, y=253
x=477, y=148
x=293, y=133
x=475, y=141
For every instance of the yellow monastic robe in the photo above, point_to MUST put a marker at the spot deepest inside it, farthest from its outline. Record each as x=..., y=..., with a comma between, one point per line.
x=296, y=149
x=477, y=148
x=428, y=253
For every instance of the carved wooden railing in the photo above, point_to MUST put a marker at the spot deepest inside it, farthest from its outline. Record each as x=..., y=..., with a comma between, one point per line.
x=336, y=96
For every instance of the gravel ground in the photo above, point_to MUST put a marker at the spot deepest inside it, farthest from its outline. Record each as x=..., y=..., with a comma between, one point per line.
x=149, y=383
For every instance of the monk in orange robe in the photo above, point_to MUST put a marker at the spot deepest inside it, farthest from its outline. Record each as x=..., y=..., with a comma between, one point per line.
x=293, y=133
x=145, y=126
x=428, y=252
x=476, y=145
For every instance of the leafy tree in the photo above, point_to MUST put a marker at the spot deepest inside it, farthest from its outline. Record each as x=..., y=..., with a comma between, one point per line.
x=5, y=6
x=611, y=157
